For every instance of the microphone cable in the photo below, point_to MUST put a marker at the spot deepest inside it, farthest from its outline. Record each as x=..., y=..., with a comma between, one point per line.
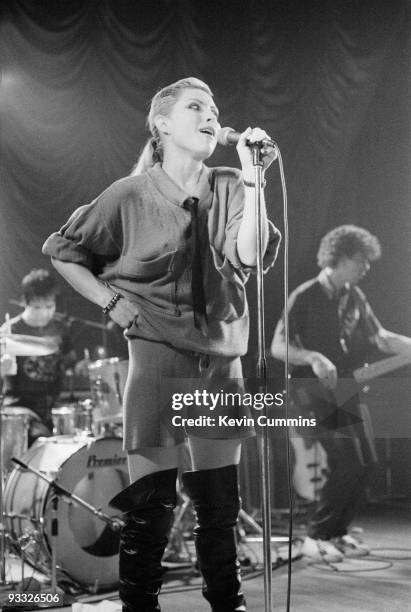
x=286, y=376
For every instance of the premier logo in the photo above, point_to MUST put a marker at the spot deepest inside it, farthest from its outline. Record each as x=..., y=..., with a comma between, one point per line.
x=98, y=462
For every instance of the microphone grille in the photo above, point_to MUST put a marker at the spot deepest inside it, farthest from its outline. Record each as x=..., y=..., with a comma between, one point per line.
x=223, y=134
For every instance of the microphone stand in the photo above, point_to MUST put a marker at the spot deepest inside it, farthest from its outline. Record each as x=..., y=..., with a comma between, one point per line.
x=59, y=491
x=261, y=375
x=114, y=522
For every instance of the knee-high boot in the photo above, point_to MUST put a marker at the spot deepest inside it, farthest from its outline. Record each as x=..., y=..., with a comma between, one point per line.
x=216, y=501
x=148, y=506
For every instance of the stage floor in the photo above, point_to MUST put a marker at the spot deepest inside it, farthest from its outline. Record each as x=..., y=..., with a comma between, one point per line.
x=378, y=583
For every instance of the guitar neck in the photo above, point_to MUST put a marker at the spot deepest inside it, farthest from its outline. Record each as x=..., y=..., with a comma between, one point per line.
x=383, y=366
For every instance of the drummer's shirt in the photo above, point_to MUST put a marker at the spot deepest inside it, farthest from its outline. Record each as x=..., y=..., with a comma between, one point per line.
x=38, y=376
x=136, y=237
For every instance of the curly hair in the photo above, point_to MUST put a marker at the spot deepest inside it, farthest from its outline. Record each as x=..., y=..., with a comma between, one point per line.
x=38, y=283
x=347, y=241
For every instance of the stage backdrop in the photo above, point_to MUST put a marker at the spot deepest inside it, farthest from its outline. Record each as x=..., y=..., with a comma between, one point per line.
x=329, y=80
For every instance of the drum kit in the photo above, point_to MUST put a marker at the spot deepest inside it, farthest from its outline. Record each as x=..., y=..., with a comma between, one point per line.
x=54, y=513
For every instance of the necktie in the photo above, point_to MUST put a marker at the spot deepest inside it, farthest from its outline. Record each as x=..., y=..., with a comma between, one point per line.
x=197, y=287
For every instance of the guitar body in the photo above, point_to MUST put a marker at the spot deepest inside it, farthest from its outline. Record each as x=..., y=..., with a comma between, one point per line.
x=336, y=411
x=310, y=467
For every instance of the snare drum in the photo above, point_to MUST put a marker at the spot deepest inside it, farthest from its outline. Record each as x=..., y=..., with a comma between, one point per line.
x=95, y=471
x=107, y=381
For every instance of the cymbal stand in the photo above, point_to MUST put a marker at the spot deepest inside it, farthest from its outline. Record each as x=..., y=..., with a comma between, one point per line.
x=2, y=478
x=2, y=527
x=54, y=535
x=176, y=541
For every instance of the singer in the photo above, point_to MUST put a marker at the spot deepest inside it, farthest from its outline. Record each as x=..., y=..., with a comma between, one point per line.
x=166, y=253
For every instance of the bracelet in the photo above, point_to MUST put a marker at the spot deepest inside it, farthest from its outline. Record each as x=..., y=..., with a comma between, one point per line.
x=112, y=303
x=250, y=184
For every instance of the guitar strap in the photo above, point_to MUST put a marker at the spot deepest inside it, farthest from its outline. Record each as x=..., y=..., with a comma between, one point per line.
x=348, y=316
x=368, y=438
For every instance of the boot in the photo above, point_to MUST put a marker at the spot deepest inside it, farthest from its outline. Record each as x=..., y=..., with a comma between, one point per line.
x=148, y=506
x=216, y=501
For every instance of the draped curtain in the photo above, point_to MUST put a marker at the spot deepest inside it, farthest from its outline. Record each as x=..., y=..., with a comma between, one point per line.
x=329, y=80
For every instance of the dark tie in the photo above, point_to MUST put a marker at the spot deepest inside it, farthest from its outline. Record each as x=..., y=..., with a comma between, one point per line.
x=197, y=287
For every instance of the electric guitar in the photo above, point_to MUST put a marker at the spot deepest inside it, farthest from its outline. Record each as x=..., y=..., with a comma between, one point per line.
x=307, y=391
x=378, y=368
x=310, y=466
x=310, y=471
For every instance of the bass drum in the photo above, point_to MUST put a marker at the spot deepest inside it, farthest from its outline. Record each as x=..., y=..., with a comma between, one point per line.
x=95, y=471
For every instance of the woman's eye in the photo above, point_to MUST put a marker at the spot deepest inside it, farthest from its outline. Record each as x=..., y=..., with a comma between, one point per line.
x=195, y=105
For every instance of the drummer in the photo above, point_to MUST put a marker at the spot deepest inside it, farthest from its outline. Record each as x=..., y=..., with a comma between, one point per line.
x=35, y=382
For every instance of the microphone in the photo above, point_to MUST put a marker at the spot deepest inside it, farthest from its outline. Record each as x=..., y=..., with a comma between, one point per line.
x=228, y=136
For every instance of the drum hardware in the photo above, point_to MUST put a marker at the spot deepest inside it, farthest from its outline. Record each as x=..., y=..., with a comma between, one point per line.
x=14, y=515
x=75, y=419
x=69, y=375
x=54, y=535
x=14, y=429
x=60, y=492
x=177, y=551
x=108, y=430
x=26, y=539
x=178, y=554
x=21, y=544
x=90, y=471
x=15, y=345
x=247, y=519
x=100, y=352
x=117, y=385
x=107, y=381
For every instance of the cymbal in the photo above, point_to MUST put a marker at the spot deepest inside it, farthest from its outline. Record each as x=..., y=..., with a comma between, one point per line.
x=18, y=411
x=27, y=346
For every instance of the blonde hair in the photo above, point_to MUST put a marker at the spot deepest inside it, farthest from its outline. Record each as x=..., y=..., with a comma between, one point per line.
x=161, y=104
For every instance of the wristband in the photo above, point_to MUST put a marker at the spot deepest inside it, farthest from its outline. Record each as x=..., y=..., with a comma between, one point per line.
x=112, y=303
x=250, y=184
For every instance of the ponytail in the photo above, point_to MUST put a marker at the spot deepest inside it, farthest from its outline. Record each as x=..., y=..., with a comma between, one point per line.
x=150, y=155
x=145, y=160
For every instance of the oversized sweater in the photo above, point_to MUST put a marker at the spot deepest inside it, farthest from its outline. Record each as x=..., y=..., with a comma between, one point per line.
x=135, y=236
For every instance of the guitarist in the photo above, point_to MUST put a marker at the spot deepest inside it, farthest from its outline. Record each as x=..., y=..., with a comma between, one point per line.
x=332, y=330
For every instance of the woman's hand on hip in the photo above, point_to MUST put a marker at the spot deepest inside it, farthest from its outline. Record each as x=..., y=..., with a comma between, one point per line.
x=124, y=313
